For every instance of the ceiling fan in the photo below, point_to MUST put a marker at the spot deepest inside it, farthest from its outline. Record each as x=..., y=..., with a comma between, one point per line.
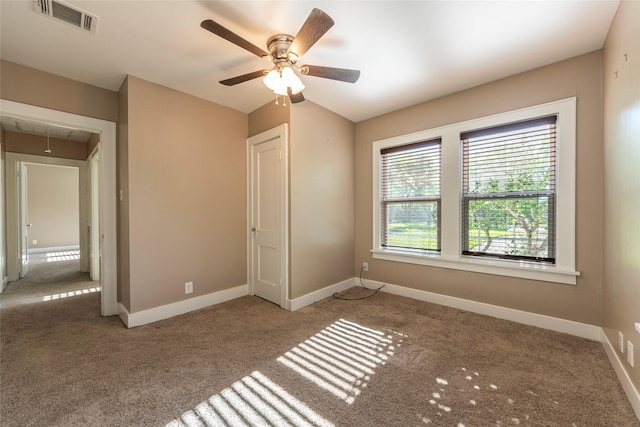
x=284, y=52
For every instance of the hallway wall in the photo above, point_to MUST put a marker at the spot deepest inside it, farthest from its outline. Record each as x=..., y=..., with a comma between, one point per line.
x=54, y=204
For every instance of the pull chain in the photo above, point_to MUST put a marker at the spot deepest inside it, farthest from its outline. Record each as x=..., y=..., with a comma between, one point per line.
x=284, y=100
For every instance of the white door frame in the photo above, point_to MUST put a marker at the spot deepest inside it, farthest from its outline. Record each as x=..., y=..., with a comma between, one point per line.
x=107, y=132
x=95, y=266
x=282, y=132
x=23, y=219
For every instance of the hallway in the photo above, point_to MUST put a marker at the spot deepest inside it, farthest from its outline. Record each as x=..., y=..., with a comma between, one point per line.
x=51, y=276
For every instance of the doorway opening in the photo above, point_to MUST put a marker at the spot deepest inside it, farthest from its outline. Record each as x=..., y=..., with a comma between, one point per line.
x=104, y=234
x=50, y=215
x=48, y=231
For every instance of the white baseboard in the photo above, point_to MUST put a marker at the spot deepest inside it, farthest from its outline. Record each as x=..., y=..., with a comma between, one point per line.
x=583, y=330
x=123, y=314
x=181, y=307
x=308, y=299
x=632, y=393
x=54, y=249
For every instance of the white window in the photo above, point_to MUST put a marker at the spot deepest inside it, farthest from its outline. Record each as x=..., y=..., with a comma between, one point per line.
x=410, y=196
x=492, y=195
x=509, y=191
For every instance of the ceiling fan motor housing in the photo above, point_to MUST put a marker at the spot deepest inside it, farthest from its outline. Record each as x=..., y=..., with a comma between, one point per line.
x=278, y=45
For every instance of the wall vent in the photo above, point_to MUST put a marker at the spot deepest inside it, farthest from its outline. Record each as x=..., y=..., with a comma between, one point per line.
x=67, y=13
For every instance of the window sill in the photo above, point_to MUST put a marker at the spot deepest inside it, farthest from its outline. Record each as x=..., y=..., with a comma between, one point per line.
x=518, y=269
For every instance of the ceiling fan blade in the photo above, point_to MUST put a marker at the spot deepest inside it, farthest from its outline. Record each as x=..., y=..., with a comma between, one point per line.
x=341, y=74
x=244, y=78
x=314, y=27
x=226, y=34
x=295, y=98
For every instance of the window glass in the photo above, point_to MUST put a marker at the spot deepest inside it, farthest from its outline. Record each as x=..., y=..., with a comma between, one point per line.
x=410, y=196
x=508, y=201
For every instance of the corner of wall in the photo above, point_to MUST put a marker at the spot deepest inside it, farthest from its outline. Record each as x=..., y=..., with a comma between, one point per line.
x=267, y=117
x=122, y=180
x=625, y=380
x=3, y=215
x=621, y=153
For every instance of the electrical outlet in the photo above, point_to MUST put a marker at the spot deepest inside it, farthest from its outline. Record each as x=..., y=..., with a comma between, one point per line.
x=188, y=287
x=365, y=266
x=630, y=353
x=35, y=242
x=621, y=342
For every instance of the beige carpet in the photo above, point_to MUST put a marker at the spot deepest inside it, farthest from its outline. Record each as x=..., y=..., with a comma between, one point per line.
x=384, y=361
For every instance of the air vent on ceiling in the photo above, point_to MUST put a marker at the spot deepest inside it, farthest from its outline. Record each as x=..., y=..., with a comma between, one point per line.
x=67, y=13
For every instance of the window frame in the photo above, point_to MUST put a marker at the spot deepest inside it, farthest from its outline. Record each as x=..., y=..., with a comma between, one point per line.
x=470, y=144
x=386, y=202
x=563, y=271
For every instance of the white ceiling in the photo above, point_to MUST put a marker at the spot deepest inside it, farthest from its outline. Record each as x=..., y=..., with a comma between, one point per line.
x=407, y=51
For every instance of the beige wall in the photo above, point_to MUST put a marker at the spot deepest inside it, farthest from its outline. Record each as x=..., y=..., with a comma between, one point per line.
x=122, y=187
x=29, y=86
x=54, y=206
x=3, y=215
x=621, y=294
x=580, y=77
x=267, y=117
x=321, y=198
x=186, y=194
x=36, y=144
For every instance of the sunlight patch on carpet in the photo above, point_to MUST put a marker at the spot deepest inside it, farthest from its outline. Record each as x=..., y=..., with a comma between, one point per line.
x=342, y=357
x=466, y=382
x=63, y=256
x=479, y=392
x=254, y=400
x=68, y=294
x=339, y=359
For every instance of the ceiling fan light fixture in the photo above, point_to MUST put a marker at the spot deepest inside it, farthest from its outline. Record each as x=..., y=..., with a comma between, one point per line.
x=272, y=79
x=280, y=80
x=291, y=80
x=281, y=89
x=297, y=86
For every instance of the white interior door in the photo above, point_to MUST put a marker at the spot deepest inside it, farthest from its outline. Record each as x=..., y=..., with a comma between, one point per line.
x=24, y=220
x=267, y=216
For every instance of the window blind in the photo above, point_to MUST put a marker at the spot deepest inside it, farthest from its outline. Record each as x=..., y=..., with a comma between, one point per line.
x=410, y=196
x=509, y=191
